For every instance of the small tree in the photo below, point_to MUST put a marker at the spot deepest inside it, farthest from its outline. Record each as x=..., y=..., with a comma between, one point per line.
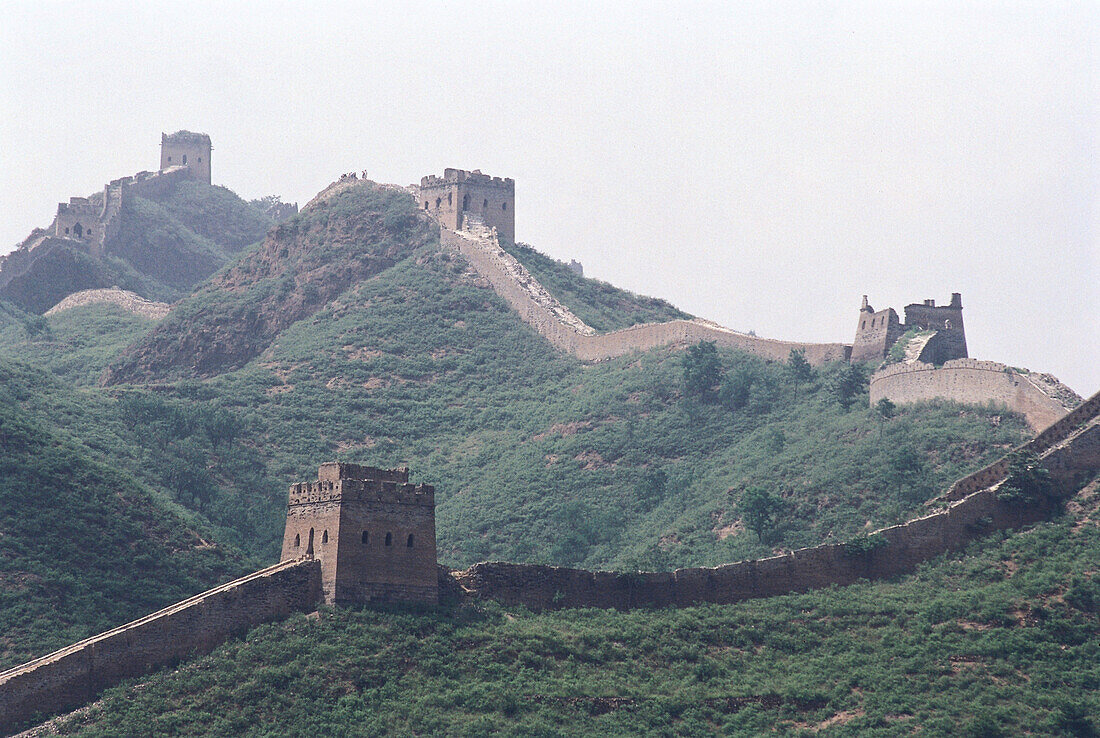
x=702, y=371
x=798, y=368
x=1028, y=482
x=847, y=384
x=760, y=509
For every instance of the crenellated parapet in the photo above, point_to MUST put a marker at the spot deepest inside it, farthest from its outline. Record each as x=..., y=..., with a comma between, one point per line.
x=373, y=531
x=460, y=196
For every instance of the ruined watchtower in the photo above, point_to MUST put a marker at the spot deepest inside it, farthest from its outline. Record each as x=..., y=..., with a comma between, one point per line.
x=373, y=532
x=458, y=194
x=186, y=149
x=878, y=331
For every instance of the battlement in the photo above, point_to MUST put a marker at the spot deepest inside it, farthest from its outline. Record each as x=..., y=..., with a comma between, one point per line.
x=460, y=195
x=362, y=490
x=373, y=531
x=455, y=176
x=187, y=149
x=878, y=331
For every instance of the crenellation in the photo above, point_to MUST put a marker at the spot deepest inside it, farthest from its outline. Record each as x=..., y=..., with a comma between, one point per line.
x=373, y=531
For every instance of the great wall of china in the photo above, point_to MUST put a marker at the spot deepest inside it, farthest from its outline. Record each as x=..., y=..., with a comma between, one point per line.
x=123, y=299
x=1069, y=449
x=1041, y=398
x=555, y=322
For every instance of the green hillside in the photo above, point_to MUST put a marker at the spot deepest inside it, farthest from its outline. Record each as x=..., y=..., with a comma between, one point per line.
x=83, y=546
x=349, y=334
x=599, y=304
x=1000, y=642
x=536, y=456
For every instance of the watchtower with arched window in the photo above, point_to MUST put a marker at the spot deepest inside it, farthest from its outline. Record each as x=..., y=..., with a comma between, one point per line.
x=186, y=149
x=373, y=531
x=458, y=194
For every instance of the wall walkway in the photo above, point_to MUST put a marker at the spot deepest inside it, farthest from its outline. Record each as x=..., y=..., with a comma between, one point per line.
x=555, y=322
x=76, y=674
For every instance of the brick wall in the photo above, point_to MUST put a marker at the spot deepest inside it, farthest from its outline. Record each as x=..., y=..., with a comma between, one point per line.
x=967, y=380
x=74, y=675
x=568, y=333
x=1072, y=462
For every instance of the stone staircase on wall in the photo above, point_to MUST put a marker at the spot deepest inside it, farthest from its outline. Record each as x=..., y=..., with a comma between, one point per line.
x=565, y=330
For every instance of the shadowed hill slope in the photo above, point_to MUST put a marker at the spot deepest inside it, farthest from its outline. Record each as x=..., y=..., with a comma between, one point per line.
x=83, y=547
x=161, y=245
x=303, y=264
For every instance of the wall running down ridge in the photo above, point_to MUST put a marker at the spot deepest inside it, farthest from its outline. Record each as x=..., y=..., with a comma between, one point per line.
x=1041, y=398
x=557, y=324
x=1070, y=450
x=74, y=675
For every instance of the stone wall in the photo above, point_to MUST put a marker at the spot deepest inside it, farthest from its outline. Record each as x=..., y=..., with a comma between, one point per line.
x=968, y=380
x=1072, y=462
x=569, y=333
x=124, y=299
x=1054, y=434
x=74, y=675
x=373, y=532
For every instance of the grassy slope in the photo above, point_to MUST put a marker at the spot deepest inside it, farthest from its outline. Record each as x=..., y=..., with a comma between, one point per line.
x=83, y=546
x=164, y=247
x=536, y=457
x=539, y=457
x=601, y=305
x=1002, y=641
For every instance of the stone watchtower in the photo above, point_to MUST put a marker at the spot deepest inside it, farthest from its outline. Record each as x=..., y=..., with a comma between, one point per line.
x=373, y=532
x=877, y=332
x=186, y=149
x=458, y=194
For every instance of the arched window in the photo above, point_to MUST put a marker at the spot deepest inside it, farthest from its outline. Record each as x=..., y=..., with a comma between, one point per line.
x=425, y=204
x=485, y=204
x=465, y=202
x=169, y=159
x=389, y=539
x=324, y=537
x=947, y=324
x=862, y=325
x=438, y=200
x=366, y=538
x=450, y=198
x=185, y=159
x=297, y=540
x=504, y=206
x=409, y=541
x=78, y=230
x=309, y=547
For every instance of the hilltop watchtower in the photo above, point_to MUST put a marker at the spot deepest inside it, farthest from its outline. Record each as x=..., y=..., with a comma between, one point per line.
x=450, y=199
x=373, y=532
x=186, y=149
x=878, y=331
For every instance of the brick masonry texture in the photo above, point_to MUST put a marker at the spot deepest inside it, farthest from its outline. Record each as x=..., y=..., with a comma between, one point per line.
x=76, y=674
x=973, y=381
x=372, y=531
x=124, y=299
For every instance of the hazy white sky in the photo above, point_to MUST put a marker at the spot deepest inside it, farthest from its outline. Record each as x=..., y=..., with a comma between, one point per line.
x=760, y=164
